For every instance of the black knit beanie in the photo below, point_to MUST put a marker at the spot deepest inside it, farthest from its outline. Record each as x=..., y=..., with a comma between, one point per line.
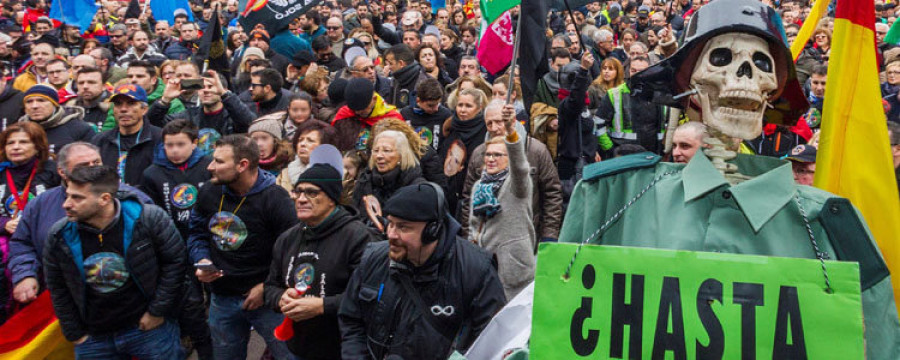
x=326, y=178
x=413, y=203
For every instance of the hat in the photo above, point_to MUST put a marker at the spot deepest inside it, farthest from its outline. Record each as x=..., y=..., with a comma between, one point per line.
x=180, y=11
x=270, y=124
x=336, y=90
x=671, y=76
x=413, y=203
x=410, y=17
x=130, y=91
x=803, y=154
x=118, y=27
x=324, y=177
x=358, y=93
x=352, y=49
x=643, y=12
x=259, y=34
x=613, y=11
x=303, y=58
x=43, y=90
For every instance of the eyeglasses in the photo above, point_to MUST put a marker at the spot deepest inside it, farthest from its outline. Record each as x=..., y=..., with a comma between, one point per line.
x=493, y=155
x=309, y=193
x=893, y=72
x=365, y=69
x=333, y=27
x=255, y=85
x=116, y=36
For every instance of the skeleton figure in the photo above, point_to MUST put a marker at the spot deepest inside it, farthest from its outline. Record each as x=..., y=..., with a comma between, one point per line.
x=734, y=79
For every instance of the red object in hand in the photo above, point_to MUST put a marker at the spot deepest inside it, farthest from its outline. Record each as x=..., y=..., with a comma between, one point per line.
x=285, y=331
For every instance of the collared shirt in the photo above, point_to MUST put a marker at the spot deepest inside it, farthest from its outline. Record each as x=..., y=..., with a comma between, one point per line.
x=693, y=207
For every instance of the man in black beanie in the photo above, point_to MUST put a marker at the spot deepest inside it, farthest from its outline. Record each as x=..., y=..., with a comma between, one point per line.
x=364, y=108
x=328, y=243
x=415, y=293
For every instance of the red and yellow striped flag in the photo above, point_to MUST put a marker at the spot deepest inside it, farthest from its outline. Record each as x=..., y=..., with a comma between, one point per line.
x=34, y=333
x=854, y=158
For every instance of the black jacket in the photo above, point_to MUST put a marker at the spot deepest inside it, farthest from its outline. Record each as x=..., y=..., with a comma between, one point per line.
x=429, y=126
x=576, y=131
x=68, y=126
x=155, y=257
x=11, y=106
x=378, y=318
x=174, y=189
x=245, y=254
x=383, y=186
x=328, y=254
x=140, y=156
x=403, y=88
x=235, y=117
x=280, y=102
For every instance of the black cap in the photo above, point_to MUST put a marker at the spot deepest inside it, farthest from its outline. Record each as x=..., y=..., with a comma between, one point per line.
x=358, y=93
x=303, y=58
x=803, y=154
x=325, y=177
x=413, y=203
x=336, y=91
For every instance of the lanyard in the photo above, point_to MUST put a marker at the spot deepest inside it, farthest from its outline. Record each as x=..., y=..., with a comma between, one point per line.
x=21, y=200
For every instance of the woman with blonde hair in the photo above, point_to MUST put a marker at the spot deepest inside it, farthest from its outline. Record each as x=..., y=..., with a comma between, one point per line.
x=465, y=132
x=393, y=164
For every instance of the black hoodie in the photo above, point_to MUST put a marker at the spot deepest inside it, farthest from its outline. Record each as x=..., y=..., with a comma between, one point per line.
x=429, y=126
x=325, y=256
x=174, y=187
x=250, y=223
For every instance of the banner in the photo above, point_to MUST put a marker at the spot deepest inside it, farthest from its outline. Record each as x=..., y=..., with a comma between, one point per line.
x=640, y=303
x=73, y=12
x=495, y=49
x=165, y=10
x=275, y=15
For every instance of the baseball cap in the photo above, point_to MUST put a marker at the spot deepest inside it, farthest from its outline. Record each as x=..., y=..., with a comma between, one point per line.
x=130, y=91
x=643, y=12
x=410, y=17
x=803, y=154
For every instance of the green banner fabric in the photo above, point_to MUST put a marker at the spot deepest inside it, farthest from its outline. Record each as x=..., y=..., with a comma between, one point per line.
x=638, y=303
x=492, y=9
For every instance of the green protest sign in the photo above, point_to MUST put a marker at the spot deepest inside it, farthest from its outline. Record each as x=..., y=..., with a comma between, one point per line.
x=639, y=303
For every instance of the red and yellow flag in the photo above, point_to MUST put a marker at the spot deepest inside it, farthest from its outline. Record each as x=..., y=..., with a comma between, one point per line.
x=34, y=333
x=854, y=159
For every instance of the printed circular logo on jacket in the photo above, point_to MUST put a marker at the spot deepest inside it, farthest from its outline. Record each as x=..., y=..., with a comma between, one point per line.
x=206, y=140
x=304, y=273
x=362, y=139
x=228, y=231
x=10, y=204
x=425, y=133
x=183, y=196
x=105, y=272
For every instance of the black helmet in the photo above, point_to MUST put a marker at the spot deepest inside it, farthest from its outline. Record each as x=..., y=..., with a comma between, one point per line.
x=670, y=77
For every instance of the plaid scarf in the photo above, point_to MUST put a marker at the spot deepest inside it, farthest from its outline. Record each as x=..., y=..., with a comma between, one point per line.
x=484, y=197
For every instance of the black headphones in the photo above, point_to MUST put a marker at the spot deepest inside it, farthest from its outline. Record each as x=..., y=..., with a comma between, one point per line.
x=432, y=231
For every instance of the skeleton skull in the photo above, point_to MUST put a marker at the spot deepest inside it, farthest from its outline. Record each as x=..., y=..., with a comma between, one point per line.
x=734, y=78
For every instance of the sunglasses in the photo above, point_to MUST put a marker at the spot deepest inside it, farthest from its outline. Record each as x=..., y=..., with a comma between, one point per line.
x=333, y=27
x=309, y=193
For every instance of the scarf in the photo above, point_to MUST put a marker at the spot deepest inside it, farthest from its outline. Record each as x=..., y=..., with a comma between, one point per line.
x=59, y=117
x=484, y=197
x=469, y=130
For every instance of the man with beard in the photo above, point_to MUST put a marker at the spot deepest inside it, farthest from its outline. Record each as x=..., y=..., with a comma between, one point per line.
x=310, y=24
x=62, y=124
x=266, y=94
x=239, y=215
x=185, y=48
x=71, y=39
x=140, y=50
x=407, y=73
x=423, y=263
x=91, y=97
x=163, y=37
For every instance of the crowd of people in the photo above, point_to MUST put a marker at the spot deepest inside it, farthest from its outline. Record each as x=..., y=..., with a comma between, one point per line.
x=158, y=201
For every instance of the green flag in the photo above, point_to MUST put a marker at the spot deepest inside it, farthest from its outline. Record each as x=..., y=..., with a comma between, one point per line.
x=492, y=9
x=893, y=35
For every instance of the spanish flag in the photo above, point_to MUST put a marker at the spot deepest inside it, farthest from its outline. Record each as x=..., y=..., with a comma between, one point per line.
x=854, y=158
x=34, y=333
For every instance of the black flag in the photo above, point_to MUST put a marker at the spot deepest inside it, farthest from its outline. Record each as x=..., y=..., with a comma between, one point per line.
x=212, y=48
x=532, y=48
x=275, y=15
x=134, y=10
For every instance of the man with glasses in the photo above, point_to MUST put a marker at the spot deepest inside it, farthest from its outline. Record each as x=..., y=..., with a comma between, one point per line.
x=118, y=40
x=58, y=75
x=803, y=163
x=363, y=67
x=334, y=30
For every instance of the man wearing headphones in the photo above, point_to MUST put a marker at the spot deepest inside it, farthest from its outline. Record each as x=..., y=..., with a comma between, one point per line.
x=416, y=294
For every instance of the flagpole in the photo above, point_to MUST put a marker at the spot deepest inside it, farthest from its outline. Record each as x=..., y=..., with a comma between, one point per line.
x=512, y=64
x=577, y=31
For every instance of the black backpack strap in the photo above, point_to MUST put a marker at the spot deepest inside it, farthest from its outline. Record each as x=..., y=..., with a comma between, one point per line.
x=850, y=241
